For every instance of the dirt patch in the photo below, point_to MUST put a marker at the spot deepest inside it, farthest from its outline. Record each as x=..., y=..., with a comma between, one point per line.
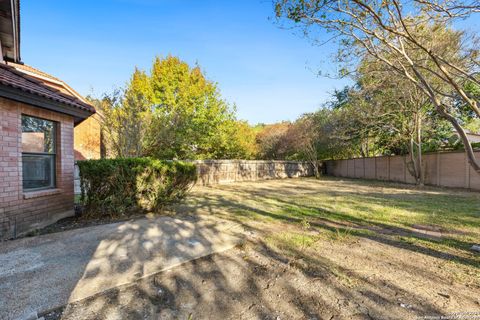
x=80, y=221
x=72, y=223
x=256, y=282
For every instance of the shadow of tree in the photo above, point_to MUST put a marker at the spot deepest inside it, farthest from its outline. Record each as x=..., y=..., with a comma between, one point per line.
x=255, y=283
x=270, y=279
x=288, y=211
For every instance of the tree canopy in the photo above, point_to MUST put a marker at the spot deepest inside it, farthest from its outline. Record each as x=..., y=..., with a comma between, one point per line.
x=174, y=112
x=416, y=40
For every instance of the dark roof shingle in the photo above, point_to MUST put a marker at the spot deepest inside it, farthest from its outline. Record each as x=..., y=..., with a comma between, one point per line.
x=10, y=76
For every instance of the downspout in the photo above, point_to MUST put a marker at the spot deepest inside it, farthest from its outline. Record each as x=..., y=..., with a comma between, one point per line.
x=1, y=53
x=15, y=31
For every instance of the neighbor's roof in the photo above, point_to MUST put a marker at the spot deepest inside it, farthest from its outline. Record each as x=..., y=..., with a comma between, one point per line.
x=35, y=82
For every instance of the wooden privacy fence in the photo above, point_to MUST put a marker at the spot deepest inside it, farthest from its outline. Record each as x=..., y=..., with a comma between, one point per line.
x=446, y=169
x=225, y=171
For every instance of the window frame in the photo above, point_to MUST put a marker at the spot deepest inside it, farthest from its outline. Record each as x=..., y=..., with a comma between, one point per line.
x=53, y=155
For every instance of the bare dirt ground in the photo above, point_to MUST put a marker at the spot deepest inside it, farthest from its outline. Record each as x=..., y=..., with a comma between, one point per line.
x=329, y=249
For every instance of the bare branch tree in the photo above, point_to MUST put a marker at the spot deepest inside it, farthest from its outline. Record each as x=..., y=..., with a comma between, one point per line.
x=415, y=39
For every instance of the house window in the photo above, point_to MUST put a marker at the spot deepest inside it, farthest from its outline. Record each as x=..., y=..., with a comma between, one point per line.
x=38, y=153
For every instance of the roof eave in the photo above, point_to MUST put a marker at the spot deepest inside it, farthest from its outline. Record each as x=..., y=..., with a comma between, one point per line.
x=78, y=114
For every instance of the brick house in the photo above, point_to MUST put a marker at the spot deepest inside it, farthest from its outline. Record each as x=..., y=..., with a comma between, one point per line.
x=38, y=114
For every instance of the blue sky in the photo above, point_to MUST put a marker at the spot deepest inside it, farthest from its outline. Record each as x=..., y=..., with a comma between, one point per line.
x=94, y=46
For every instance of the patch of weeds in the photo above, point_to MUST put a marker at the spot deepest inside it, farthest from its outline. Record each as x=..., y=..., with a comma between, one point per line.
x=414, y=241
x=362, y=233
x=289, y=242
x=305, y=223
x=33, y=233
x=341, y=234
x=246, y=214
x=349, y=234
x=345, y=278
x=294, y=210
x=444, y=245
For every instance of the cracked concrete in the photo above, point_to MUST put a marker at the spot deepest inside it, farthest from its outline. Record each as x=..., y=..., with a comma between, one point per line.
x=45, y=272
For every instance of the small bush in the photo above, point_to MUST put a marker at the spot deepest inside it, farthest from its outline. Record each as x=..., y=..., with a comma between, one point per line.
x=121, y=186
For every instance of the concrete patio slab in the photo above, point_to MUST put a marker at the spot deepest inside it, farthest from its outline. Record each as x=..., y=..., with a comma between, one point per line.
x=46, y=272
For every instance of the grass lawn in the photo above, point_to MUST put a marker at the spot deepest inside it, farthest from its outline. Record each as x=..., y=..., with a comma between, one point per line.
x=318, y=249
x=425, y=219
x=416, y=239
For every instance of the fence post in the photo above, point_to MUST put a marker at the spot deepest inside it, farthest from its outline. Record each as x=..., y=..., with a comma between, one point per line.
x=467, y=172
x=438, y=169
x=364, y=170
x=354, y=170
x=388, y=168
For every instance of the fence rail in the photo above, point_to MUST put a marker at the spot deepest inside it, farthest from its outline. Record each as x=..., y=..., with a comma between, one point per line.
x=446, y=169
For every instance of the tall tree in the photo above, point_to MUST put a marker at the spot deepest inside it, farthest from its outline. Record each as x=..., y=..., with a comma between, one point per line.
x=273, y=142
x=173, y=112
x=189, y=117
x=324, y=134
x=397, y=117
x=124, y=120
x=415, y=39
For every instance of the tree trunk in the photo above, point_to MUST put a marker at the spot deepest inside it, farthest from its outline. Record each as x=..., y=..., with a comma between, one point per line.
x=420, y=172
x=472, y=160
x=415, y=151
x=414, y=170
x=315, y=169
x=441, y=109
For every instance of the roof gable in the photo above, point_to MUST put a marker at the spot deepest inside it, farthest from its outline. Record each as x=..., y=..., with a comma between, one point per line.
x=34, y=91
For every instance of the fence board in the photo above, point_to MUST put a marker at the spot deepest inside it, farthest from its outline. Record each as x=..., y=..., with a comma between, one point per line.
x=369, y=168
x=448, y=169
x=452, y=169
x=359, y=168
x=225, y=171
x=382, y=168
x=431, y=170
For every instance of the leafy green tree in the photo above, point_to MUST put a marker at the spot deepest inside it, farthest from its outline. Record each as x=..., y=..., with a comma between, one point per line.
x=242, y=139
x=273, y=142
x=383, y=114
x=190, y=120
x=123, y=123
x=173, y=112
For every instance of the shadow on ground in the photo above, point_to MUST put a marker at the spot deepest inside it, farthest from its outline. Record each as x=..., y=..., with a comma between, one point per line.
x=305, y=260
x=45, y=272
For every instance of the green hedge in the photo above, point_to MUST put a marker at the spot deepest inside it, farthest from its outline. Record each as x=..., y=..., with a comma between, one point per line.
x=123, y=186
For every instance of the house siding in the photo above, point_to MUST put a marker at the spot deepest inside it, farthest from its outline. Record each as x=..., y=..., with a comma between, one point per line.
x=22, y=211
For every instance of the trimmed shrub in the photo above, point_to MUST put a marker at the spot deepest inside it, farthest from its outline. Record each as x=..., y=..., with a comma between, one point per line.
x=123, y=186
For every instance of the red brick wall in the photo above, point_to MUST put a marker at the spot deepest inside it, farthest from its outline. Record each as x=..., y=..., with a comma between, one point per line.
x=88, y=138
x=23, y=211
